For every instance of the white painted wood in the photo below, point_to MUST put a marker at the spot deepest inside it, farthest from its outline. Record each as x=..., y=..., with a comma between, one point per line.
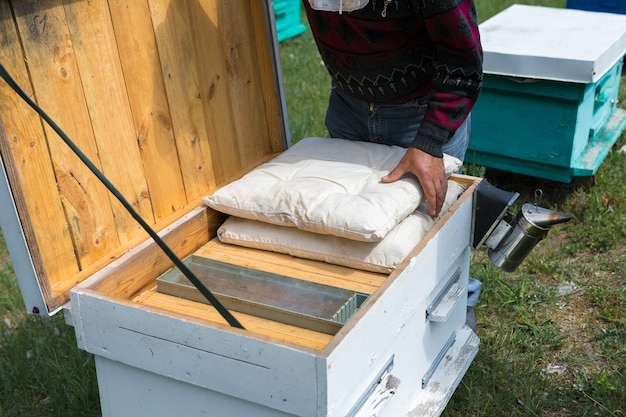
x=446, y=305
x=552, y=43
x=433, y=399
x=394, y=323
x=412, y=344
x=16, y=244
x=389, y=332
x=221, y=359
x=131, y=392
x=384, y=390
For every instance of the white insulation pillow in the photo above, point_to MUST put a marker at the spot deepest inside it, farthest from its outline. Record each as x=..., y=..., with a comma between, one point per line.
x=381, y=256
x=327, y=186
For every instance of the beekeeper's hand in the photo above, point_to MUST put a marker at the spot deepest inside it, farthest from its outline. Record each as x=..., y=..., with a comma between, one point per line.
x=429, y=170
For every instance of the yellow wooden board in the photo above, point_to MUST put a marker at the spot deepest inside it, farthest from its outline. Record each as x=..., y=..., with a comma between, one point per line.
x=170, y=20
x=169, y=99
x=262, y=327
x=305, y=269
x=319, y=272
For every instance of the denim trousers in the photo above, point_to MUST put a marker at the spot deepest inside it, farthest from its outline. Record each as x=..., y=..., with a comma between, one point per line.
x=389, y=124
x=395, y=124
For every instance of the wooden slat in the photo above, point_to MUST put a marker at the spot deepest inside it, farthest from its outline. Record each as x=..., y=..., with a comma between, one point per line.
x=170, y=19
x=208, y=223
x=31, y=238
x=54, y=72
x=109, y=111
x=315, y=271
x=231, y=87
x=465, y=180
x=267, y=328
x=264, y=59
x=22, y=140
x=242, y=79
x=210, y=61
x=169, y=99
x=136, y=42
x=142, y=264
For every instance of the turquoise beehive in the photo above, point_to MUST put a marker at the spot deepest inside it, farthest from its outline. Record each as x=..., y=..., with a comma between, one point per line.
x=549, y=106
x=288, y=19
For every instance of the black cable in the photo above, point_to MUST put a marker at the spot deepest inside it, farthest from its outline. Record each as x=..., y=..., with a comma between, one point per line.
x=179, y=264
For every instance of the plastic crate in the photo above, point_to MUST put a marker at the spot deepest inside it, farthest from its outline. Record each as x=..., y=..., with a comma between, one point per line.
x=288, y=23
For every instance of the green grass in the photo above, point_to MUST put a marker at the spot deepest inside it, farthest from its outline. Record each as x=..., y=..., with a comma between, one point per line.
x=42, y=372
x=307, y=86
x=544, y=351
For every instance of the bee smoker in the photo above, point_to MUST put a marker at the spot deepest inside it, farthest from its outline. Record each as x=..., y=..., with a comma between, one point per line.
x=510, y=238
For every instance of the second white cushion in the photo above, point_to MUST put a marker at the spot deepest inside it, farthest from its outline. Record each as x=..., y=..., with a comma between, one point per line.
x=381, y=256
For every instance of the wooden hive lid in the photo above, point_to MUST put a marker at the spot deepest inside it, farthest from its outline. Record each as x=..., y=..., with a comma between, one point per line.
x=552, y=43
x=168, y=98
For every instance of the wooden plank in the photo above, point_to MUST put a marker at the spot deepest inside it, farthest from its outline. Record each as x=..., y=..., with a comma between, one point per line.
x=210, y=222
x=465, y=180
x=315, y=271
x=140, y=266
x=170, y=20
x=22, y=139
x=110, y=116
x=194, y=353
x=210, y=61
x=42, y=284
x=231, y=87
x=242, y=79
x=267, y=73
x=268, y=328
x=143, y=79
x=54, y=72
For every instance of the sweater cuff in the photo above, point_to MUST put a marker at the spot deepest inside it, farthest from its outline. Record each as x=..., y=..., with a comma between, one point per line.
x=431, y=138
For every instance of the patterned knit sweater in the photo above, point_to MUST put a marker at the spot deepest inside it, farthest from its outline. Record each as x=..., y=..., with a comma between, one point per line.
x=395, y=50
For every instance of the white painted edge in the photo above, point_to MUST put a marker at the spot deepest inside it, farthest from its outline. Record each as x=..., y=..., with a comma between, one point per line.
x=433, y=399
x=23, y=266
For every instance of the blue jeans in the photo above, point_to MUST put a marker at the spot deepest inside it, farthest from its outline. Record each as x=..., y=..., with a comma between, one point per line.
x=396, y=124
x=389, y=124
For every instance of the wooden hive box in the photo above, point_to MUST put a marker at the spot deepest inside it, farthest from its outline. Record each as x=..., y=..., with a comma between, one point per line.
x=549, y=103
x=170, y=100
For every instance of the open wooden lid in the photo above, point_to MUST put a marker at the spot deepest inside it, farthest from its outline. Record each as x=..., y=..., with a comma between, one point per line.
x=168, y=98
